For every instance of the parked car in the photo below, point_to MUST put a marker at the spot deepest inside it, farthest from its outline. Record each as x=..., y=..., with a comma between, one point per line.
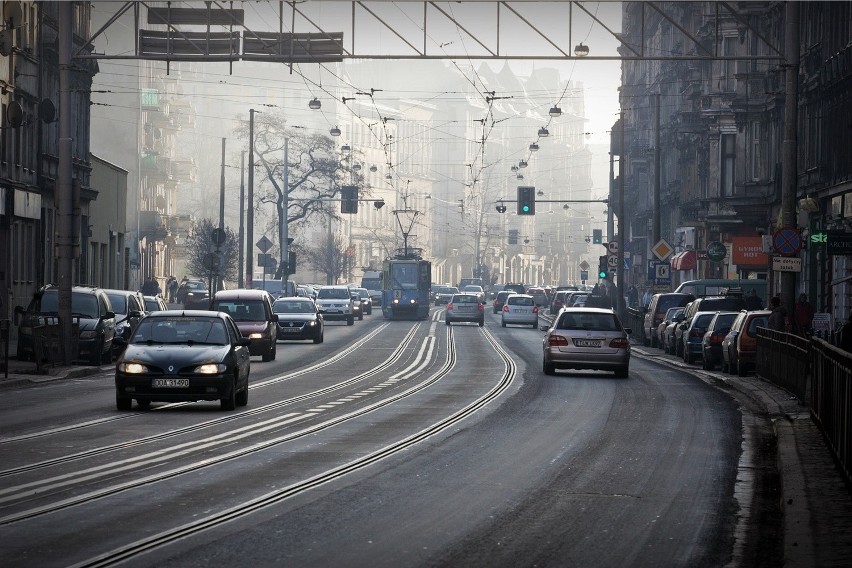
x=692, y=335
x=740, y=345
x=500, y=300
x=586, y=338
x=154, y=304
x=660, y=303
x=671, y=313
x=668, y=336
x=465, y=308
x=519, y=309
x=711, y=343
x=335, y=303
x=184, y=356
x=365, y=301
x=129, y=307
x=733, y=303
x=252, y=312
x=443, y=294
x=299, y=318
x=90, y=308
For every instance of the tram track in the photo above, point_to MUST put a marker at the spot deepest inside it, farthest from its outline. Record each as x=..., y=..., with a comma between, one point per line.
x=27, y=491
x=212, y=521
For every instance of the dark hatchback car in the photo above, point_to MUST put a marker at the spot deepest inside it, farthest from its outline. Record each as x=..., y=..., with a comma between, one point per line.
x=711, y=344
x=500, y=300
x=299, y=319
x=90, y=307
x=180, y=356
x=252, y=311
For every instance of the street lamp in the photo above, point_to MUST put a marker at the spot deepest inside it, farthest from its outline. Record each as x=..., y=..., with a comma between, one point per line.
x=533, y=147
x=335, y=131
x=543, y=132
x=581, y=50
x=314, y=104
x=555, y=111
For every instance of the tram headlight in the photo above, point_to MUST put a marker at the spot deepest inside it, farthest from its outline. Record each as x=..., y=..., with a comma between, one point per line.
x=396, y=300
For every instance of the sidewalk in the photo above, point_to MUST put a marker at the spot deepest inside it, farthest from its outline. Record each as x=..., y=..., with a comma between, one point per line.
x=815, y=501
x=21, y=373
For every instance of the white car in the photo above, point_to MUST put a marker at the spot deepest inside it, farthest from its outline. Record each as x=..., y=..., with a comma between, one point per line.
x=520, y=309
x=335, y=303
x=474, y=289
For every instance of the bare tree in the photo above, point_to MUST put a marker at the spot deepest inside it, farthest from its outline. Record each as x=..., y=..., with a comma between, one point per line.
x=200, y=243
x=315, y=171
x=328, y=255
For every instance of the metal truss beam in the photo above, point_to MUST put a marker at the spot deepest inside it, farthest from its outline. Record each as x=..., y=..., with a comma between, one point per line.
x=515, y=30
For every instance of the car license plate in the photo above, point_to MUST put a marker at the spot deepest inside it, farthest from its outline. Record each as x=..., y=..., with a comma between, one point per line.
x=587, y=342
x=292, y=329
x=518, y=311
x=171, y=383
x=464, y=308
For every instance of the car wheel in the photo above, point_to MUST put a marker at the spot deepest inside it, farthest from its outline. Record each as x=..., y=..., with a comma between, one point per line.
x=732, y=367
x=230, y=401
x=654, y=341
x=705, y=363
x=106, y=358
x=621, y=372
x=143, y=404
x=123, y=403
x=361, y=316
x=267, y=356
x=503, y=323
x=741, y=370
x=242, y=397
x=350, y=320
x=274, y=349
x=318, y=339
x=495, y=310
x=725, y=367
x=482, y=322
x=548, y=368
x=447, y=322
x=687, y=357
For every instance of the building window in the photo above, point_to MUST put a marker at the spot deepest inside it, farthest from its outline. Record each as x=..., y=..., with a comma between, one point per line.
x=728, y=67
x=728, y=157
x=755, y=157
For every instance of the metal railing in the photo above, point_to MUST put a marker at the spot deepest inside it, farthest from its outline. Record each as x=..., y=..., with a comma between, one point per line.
x=831, y=399
x=635, y=320
x=784, y=359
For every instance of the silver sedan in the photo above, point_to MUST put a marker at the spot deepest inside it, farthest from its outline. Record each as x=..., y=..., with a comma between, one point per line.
x=520, y=309
x=586, y=338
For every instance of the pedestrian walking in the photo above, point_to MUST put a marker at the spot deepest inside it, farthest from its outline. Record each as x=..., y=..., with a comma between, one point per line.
x=804, y=315
x=778, y=317
x=172, y=287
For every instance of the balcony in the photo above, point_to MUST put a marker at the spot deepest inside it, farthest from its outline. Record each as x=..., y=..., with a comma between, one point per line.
x=155, y=167
x=184, y=170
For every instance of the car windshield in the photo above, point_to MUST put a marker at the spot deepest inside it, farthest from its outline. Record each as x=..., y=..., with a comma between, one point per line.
x=589, y=322
x=83, y=305
x=119, y=303
x=475, y=289
x=756, y=322
x=333, y=294
x=293, y=307
x=242, y=310
x=196, y=285
x=465, y=300
x=702, y=320
x=724, y=320
x=181, y=329
x=521, y=301
x=152, y=305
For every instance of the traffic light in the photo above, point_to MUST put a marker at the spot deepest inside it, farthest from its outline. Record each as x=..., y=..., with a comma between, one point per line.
x=597, y=236
x=526, y=200
x=602, y=267
x=513, y=236
x=291, y=263
x=349, y=199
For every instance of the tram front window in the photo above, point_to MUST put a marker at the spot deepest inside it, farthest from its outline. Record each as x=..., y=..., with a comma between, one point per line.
x=404, y=276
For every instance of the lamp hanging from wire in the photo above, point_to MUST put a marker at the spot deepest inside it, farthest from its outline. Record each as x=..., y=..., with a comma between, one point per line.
x=335, y=131
x=315, y=104
x=581, y=50
x=543, y=132
x=373, y=168
x=555, y=111
x=533, y=147
x=522, y=164
x=346, y=148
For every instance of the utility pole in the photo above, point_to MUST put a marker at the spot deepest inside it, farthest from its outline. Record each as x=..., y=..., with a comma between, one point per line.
x=64, y=175
x=221, y=220
x=250, y=205
x=285, y=229
x=789, y=173
x=241, y=239
x=622, y=224
x=655, y=234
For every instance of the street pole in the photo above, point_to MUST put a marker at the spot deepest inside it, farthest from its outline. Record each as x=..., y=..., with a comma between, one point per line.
x=64, y=174
x=285, y=229
x=622, y=223
x=221, y=218
x=789, y=172
x=250, y=205
x=241, y=240
x=656, y=233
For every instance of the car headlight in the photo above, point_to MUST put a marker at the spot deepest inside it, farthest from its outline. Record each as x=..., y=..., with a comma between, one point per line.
x=89, y=334
x=132, y=368
x=312, y=323
x=210, y=369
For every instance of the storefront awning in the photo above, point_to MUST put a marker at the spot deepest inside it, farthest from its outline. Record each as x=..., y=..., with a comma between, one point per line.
x=684, y=260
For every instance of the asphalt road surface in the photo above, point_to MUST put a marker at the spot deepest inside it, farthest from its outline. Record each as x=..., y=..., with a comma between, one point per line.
x=404, y=443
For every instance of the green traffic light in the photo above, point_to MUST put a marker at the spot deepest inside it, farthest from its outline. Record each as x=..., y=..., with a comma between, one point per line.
x=602, y=275
x=526, y=208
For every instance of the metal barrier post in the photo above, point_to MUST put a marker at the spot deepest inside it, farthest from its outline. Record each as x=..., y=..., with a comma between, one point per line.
x=5, y=326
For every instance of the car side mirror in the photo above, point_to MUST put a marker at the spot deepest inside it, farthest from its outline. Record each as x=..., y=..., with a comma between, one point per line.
x=543, y=328
x=628, y=331
x=119, y=340
x=244, y=341
x=109, y=315
x=134, y=314
x=274, y=317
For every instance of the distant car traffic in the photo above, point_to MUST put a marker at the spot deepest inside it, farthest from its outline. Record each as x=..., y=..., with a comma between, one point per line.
x=519, y=309
x=299, y=318
x=586, y=338
x=155, y=304
x=335, y=303
x=465, y=308
x=129, y=307
x=191, y=292
x=366, y=301
x=500, y=300
x=443, y=294
x=184, y=356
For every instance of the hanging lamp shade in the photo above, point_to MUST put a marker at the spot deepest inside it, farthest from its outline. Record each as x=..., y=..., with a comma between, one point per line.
x=533, y=147
x=522, y=164
x=335, y=131
x=356, y=167
x=555, y=111
x=373, y=168
x=581, y=50
x=543, y=132
x=346, y=148
x=314, y=104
